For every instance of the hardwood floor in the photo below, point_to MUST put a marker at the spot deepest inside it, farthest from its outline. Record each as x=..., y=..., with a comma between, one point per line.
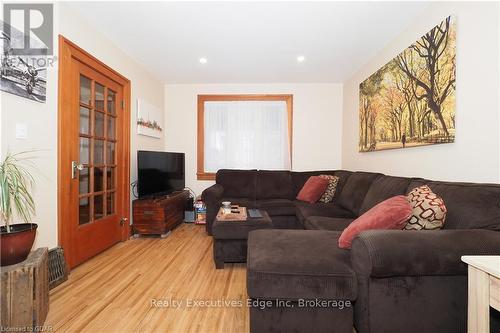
x=113, y=292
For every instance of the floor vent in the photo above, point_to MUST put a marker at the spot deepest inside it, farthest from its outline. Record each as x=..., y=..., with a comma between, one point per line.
x=58, y=272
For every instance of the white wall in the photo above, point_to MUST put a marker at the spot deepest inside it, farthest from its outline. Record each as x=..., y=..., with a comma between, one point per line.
x=41, y=122
x=317, y=120
x=475, y=155
x=41, y=118
x=144, y=85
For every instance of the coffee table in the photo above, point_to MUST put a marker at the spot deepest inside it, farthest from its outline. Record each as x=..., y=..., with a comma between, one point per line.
x=230, y=237
x=484, y=291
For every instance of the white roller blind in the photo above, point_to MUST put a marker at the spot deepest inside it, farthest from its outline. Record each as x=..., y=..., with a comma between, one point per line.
x=246, y=135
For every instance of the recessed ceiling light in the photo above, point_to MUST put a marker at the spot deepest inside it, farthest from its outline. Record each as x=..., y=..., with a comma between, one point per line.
x=301, y=58
x=203, y=60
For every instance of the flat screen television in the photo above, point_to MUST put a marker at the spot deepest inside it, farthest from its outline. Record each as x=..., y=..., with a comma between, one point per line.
x=159, y=173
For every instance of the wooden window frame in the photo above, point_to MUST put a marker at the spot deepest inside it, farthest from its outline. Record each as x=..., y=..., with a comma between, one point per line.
x=201, y=174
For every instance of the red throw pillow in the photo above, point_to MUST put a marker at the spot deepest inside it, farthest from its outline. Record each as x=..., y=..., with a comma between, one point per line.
x=313, y=189
x=392, y=213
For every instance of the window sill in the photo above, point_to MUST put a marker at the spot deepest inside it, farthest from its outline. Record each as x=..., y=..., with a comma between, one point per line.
x=205, y=176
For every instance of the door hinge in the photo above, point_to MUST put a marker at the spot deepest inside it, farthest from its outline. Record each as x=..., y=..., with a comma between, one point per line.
x=123, y=105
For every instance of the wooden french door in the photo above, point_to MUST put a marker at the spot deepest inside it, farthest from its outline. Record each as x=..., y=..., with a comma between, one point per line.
x=94, y=144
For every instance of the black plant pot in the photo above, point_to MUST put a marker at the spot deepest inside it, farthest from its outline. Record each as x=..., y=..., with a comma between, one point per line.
x=16, y=244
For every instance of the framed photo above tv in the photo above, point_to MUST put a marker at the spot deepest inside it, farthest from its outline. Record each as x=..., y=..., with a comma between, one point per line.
x=149, y=119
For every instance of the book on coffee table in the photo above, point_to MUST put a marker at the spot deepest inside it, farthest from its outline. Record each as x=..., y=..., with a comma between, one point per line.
x=237, y=215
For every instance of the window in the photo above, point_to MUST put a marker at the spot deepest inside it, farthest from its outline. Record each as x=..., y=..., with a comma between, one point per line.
x=243, y=132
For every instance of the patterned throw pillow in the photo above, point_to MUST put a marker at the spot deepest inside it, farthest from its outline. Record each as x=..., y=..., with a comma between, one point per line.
x=330, y=190
x=428, y=209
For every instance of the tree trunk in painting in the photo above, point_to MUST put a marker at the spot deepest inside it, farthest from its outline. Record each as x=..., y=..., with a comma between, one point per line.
x=436, y=109
x=431, y=48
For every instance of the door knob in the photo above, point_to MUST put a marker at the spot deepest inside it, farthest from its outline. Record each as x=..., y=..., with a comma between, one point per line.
x=75, y=166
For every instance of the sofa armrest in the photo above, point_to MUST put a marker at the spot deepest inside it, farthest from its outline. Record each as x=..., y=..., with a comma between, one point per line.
x=212, y=197
x=385, y=253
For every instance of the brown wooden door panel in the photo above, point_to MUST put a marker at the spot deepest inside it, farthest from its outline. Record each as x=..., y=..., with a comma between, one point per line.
x=94, y=118
x=97, y=238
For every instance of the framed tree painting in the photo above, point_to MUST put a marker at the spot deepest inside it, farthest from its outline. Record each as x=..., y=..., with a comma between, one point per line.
x=410, y=101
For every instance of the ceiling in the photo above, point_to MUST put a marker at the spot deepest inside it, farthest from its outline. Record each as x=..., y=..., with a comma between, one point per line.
x=250, y=42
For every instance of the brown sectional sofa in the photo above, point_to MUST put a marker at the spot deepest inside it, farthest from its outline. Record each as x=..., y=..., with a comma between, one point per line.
x=412, y=281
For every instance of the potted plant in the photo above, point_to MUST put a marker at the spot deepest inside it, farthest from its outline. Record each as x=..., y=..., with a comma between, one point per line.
x=16, y=183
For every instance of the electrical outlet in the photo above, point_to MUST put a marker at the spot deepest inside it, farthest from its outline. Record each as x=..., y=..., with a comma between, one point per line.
x=21, y=131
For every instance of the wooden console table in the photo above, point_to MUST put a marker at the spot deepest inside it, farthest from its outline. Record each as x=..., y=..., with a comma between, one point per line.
x=25, y=293
x=484, y=291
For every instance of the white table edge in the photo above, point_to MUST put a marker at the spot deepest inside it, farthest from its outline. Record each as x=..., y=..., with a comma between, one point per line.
x=488, y=264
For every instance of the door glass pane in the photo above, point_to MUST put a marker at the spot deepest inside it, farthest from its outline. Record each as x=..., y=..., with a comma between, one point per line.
x=99, y=96
x=98, y=124
x=98, y=207
x=110, y=178
x=84, y=181
x=110, y=197
x=98, y=152
x=111, y=128
x=110, y=153
x=84, y=211
x=111, y=102
x=84, y=150
x=85, y=90
x=84, y=120
x=98, y=179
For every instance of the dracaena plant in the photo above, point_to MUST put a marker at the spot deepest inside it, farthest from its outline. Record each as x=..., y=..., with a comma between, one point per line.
x=16, y=183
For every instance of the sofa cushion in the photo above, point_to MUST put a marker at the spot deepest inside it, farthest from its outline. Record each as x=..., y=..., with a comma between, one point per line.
x=383, y=188
x=326, y=223
x=305, y=210
x=354, y=191
x=313, y=189
x=469, y=205
x=392, y=213
x=390, y=253
x=277, y=207
x=274, y=185
x=293, y=264
x=238, y=183
x=343, y=177
x=244, y=202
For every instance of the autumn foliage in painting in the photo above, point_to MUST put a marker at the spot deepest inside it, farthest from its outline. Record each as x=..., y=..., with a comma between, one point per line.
x=411, y=100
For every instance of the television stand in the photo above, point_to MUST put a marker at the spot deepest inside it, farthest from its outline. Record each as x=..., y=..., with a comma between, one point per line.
x=159, y=215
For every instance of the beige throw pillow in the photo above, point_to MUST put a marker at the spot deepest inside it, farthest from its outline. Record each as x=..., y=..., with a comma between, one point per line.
x=428, y=209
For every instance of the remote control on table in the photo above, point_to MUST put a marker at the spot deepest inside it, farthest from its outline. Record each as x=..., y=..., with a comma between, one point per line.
x=254, y=213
